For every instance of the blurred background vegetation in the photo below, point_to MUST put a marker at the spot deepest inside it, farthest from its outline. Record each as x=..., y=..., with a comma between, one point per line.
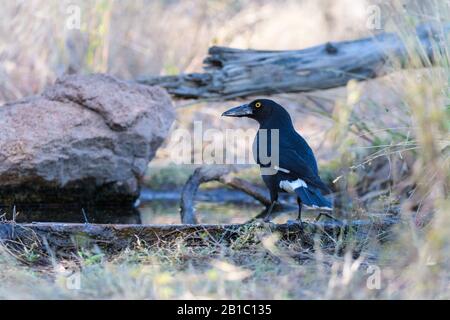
x=133, y=38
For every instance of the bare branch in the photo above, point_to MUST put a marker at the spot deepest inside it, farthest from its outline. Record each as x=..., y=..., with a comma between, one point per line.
x=234, y=73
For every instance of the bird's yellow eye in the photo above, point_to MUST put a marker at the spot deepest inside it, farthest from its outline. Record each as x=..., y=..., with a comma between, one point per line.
x=258, y=104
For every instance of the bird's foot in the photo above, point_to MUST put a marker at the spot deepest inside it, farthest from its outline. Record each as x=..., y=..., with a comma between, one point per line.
x=326, y=215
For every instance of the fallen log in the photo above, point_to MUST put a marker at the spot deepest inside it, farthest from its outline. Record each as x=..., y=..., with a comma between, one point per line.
x=234, y=73
x=73, y=236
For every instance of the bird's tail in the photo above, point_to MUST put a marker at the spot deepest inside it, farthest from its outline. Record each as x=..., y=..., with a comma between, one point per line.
x=312, y=197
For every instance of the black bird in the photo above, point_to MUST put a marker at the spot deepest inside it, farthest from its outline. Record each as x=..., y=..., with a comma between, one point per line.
x=296, y=170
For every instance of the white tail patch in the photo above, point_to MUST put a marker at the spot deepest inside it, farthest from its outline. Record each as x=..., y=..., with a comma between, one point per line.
x=290, y=186
x=321, y=208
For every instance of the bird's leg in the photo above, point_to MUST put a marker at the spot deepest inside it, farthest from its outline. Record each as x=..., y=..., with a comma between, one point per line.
x=299, y=218
x=273, y=199
x=269, y=212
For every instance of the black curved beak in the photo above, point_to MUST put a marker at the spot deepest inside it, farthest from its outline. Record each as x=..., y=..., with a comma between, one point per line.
x=242, y=111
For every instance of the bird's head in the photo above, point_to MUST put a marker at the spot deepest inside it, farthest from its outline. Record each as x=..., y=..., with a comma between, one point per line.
x=260, y=110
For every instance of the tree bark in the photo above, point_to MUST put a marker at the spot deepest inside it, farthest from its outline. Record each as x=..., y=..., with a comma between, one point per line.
x=234, y=73
x=72, y=236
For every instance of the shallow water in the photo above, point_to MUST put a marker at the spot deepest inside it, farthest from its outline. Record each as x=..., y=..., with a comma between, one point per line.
x=151, y=212
x=156, y=207
x=212, y=206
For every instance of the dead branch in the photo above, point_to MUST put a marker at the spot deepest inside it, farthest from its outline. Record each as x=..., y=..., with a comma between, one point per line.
x=71, y=236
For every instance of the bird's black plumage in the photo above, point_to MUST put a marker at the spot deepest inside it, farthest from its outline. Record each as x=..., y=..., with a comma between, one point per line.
x=296, y=169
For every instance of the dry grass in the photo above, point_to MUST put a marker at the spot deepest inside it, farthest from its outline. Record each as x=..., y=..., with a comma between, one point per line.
x=175, y=270
x=269, y=267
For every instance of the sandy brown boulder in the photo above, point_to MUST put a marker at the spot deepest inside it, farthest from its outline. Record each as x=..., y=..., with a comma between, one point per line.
x=85, y=138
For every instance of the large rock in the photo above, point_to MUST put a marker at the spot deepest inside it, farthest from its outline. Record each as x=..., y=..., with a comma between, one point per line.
x=84, y=139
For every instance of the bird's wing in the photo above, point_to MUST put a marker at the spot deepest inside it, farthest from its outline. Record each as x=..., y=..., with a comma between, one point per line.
x=299, y=169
